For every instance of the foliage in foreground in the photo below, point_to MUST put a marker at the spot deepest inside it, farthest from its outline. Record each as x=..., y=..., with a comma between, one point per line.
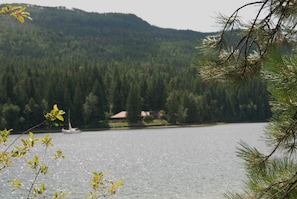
x=11, y=151
x=16, y=12
x=262, y=50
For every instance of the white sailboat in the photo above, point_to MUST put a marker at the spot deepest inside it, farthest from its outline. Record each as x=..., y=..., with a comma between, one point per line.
x=70, y=129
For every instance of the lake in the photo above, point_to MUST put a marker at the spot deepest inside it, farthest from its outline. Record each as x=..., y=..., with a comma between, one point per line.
x=167, y=163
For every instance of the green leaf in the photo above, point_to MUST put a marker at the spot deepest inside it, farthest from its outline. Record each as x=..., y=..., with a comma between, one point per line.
x=59, y=154
x=16, y=183
x=34, y=163
x=4, y=135
x=55, y=114
x=44, y=169
x=47, y=141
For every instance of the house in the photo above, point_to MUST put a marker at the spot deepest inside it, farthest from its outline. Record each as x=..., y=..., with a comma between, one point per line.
x=119, y=116
x=123, y=114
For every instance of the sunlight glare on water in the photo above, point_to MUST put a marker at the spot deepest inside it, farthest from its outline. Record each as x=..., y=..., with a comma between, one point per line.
x=167, y=163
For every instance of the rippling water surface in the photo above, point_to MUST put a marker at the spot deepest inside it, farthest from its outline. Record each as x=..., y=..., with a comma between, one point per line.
x=169, y=163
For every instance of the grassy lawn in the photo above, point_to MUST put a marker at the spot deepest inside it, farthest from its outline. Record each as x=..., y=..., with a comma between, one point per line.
x=124, y=124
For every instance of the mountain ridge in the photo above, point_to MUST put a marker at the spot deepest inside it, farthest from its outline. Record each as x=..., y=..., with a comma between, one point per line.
x=106, y=13
x=116, y=36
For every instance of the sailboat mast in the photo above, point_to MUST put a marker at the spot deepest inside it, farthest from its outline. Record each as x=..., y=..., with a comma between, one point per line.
x=69, y=123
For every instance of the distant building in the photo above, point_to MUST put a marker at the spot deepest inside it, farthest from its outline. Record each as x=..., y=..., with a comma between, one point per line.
x=120, y=115
x=123, y=115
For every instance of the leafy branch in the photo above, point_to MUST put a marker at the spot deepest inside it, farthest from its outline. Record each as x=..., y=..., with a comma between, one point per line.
x=17, y=12
x=102, y=187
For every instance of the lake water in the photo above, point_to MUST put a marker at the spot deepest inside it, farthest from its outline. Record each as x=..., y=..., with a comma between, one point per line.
x=166, y=163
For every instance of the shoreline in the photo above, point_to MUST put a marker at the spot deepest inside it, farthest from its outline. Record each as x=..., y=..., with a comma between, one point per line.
x=54, y=130
x=37, y=131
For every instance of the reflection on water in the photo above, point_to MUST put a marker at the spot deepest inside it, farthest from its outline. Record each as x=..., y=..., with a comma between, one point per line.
x=187, y=163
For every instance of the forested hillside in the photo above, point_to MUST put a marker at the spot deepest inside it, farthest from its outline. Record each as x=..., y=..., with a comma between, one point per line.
x=89, y=63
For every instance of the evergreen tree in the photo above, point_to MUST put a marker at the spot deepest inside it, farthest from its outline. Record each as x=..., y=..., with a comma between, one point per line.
x=157, y=93
x=10, y=112
x=99, y=90
x=191, y=105
x=8, y=88
x=90, y=110
x=144, y=95
x=134, y=105
x=77, y=108
x=125, y=90
x=260, y=50
x=117, y=105
x=172, y=104
x=31, y=113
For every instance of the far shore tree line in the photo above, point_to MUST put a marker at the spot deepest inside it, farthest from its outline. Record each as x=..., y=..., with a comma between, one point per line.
x=93, y=92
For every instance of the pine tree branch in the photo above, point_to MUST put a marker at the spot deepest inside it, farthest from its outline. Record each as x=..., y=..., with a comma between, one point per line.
x=288, y=132
x=264, y=27
x=291, y=187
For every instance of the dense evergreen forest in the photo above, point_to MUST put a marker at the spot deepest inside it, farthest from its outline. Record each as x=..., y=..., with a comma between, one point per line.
x=93, y=63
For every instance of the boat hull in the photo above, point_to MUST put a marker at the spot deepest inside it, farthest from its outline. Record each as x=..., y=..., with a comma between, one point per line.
x=71, y=131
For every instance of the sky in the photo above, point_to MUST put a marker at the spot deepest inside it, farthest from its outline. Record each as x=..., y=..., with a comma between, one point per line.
x=194, y=15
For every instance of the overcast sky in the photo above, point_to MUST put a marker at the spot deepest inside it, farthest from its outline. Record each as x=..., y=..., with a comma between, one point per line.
x=195, y=15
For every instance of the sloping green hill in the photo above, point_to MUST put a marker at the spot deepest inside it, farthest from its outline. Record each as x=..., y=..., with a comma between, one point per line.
x=111, y=36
